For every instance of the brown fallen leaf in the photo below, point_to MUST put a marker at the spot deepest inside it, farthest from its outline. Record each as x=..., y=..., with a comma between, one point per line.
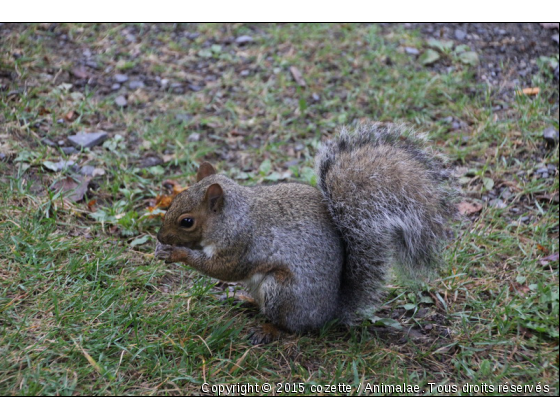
x=522, y=289
x=174, y=186
x=466, y=208
x=296, y=74
x=92, y=205
x=77, y=189
x=163, y=201
x=542, y=248
x=177, y=189
x=71, y=116
x=548, y=260
x=547, y=197
x=80, y=72
x=44, y=111
x=531, y=91
x=445, y=349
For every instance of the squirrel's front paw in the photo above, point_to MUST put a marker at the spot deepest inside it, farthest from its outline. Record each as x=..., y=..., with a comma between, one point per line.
x=163, y=252
x=172, y=253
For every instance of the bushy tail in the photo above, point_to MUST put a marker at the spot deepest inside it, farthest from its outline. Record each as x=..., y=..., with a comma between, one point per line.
x=389, y=198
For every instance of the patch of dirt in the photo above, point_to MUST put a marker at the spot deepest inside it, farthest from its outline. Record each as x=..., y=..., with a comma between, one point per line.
x=508, y=52
x=426, y=328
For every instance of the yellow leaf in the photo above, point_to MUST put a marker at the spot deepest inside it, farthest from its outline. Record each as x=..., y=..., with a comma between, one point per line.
x=531, y=91
x=91, y=361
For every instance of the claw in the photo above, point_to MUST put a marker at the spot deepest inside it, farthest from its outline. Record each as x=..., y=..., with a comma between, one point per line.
x=264, y=334
x=163, y=251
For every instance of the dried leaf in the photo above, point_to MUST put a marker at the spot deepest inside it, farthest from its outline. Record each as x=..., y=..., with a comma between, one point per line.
x=154, y=212
x=445, y=349
x=98, y=172
x=547, y=197
x=163, y=201
x=71, y=116
x=547, y=260
x=80, y=190
x=44, y=111
x=80, y=72
x=466, y=208
x=542, y=248
x=91, y=205
x=76, y=190
x=91, y=361
x=296, y=74
x=522, y=289
x=531, y=91
x=177, y=189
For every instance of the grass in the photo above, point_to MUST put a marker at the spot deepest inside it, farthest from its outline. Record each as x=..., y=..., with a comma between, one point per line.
x=86, y=310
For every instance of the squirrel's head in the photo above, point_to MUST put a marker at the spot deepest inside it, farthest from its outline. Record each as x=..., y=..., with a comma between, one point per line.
x=192, y=211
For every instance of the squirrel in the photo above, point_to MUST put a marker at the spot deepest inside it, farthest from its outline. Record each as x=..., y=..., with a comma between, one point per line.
x=310, y=255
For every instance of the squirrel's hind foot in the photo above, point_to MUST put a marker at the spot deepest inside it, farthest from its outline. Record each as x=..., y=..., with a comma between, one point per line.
x=264, y=334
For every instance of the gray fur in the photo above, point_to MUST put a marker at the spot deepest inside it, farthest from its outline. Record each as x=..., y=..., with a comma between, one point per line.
x=263, y=232
x=389, y=200
x=310, y=256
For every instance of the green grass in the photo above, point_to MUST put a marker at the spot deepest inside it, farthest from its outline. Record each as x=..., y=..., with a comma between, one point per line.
x=84, y=307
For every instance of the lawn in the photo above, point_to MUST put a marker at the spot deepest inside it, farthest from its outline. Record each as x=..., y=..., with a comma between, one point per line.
x=85, y=309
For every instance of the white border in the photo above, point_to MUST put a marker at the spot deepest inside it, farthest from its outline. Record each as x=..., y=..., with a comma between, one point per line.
x=277, y=11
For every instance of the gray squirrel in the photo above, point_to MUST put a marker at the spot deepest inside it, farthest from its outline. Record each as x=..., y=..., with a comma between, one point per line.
x=312, y=255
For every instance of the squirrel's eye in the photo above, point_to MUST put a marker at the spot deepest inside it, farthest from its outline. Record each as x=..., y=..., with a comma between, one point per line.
x=187, y=222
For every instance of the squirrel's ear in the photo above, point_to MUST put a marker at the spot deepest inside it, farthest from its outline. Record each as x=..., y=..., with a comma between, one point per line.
x=215, y=197
x=205, y=169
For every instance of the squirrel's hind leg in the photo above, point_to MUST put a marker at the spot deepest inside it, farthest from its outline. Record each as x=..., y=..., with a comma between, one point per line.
x=265, y=334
